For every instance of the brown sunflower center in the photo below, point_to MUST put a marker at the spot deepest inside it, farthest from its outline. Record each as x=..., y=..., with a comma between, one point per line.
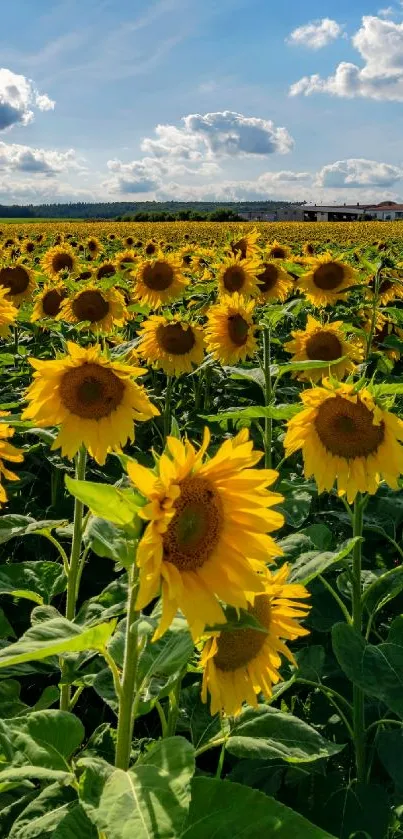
x=386, y=285
x=150, y=248
x=238, y=647
x=268, y=278
x=309, y=248
x=158, y=277
x=328, y=276
x=51, y=302
x=90, y=305
x=62, y=262
x=323, y=346
x=240, y=247
x=238, y=329
x=196, y=527
x=129, y=240
x=29, y=247
x=106, y=270
x=234, y=278
x=277, y=252
x=175, y=338
x=92, y=245
x=91, y=391
x=15, y=278
x=346, y=429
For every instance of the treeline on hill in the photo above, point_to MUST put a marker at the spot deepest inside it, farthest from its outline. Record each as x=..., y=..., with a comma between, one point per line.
x=144, y=210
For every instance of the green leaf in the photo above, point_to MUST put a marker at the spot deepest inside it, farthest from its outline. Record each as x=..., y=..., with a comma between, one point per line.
x=252, y=374
x=38, y=581
x=320, y=535
x=385, y=588
x=151, y=800
x=268, y=733
x=311, y=661
x=108, y=540
x=300, y=366
x=55, y=637
x=36, y=773
x=359, y=811
x=309, y=565
x=12, y=526
x=377, y=670
x=297, y=503
x=277, y=412
x=390, y=749
x=224, y=810
x=6, y=630
x=119, y=506
x=56, y=813
x=47, y=738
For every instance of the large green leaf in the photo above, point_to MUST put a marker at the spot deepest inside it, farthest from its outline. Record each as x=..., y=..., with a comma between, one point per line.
x=311, y=564
x=119, y=506
x=224, y=810
x=38, y=581
x=12, y=526
x=377, y=670
x=268, y=733
x=56, y=813
x=385, y=588
x=47, y=738
x=277, y=412
x=151, y=800
x=55, y=637
x=108, y=540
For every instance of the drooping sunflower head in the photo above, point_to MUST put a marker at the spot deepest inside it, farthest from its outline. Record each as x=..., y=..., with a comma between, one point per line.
x=346, y=438
x=19, y=282
x=159, y=280
x=208, y=529
x=8, y=313
x=238, y=664
x=48, y=302
x=93, y=399
x=231, y=332
x=105, y=270
x=101, y=308
x=390, y=288
x=273, y=282
x=7, y=452
x=327, y=280
x=324, y=342
x=277, y=251
x=246, y=245
x=59, y=259
x=171, y=344
x=236, y=275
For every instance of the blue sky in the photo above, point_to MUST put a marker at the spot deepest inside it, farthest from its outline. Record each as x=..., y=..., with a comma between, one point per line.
x=178, y=99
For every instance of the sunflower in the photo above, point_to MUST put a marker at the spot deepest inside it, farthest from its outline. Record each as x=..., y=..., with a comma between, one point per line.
x=128, y=241
x=208, y=529
x=230, y=331
x=150, y=248
x=93, y=399
x=237, y=275
x=346, y=437
x=246, y=245
x=19, y=282
x=384, y=328
x=159, y=280
x=239, y=664
x=277, y=251
x=8, y=313
x=324, y=342
x=29, y=246
x=308, y=249
x=125, y=260
x=48, y=302
x=101, y=308
x=327, y=280
x=273, y=282
x=7, y=452
x=390, y=288
x=172, y=345
x=57, y=259
x=105, y=270
x=93, y=246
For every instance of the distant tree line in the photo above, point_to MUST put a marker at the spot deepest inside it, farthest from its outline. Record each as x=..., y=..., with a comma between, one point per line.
x=222, y=214
x=143, y=210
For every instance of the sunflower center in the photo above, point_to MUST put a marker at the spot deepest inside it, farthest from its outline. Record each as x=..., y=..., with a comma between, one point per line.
x=16, y=279
x=268, y=278
x=309, y=248
x=175, y=339
x=62, y=262
x=91, y=391
x=328, y=276
x=90, y=305
x=386, y=285
x=92, y=246
x=323, y=346
x=106, y=270
x=129, y=240
x=158, y=277
x=150, y=249
x=196, y=527
x=29, y=247
x=278, y=252
x=238, y=329
x=346, y=429
x=51, y=302
x=240, y=247
x=238, y=647
x=233, y=278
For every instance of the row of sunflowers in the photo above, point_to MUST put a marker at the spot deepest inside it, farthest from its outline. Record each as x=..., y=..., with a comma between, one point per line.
x=223, y=407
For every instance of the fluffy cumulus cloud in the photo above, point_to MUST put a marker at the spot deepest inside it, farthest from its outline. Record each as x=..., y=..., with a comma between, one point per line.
x=18, y=96
x=358, y=172
x=317, y=34
x=18, y=158
x=139, y=176
x=380, y=45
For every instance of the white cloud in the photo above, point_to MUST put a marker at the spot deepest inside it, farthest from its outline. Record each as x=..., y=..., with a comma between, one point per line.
x=358, y=172
x=18, y=158
x=17, y=96
x=139, y=176
x=380, y=44
x=317, y=34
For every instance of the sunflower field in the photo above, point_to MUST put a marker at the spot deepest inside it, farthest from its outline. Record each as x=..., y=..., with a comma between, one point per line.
x=201, y=571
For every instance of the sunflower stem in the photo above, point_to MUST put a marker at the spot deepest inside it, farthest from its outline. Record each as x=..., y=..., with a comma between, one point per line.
x=377, y=286
x=268, y=393
x=74, y=565
x=358, y=696
x=128, y=681
x=167, y=411
x=16, y=346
